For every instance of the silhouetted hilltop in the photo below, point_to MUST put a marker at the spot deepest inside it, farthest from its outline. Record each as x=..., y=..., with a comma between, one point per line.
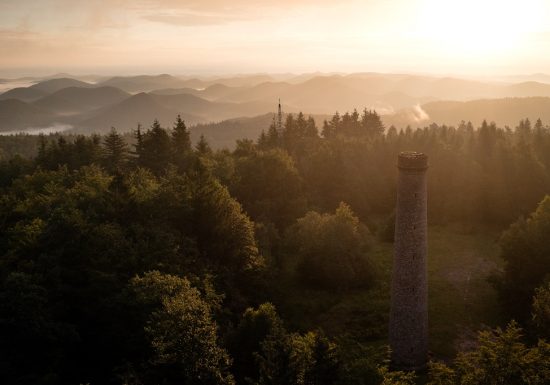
x=402, y=99
x=53, y=85
x=526, y=89
x=141, y=108
x=267, y=90
x=507, y=111
x=175, y=91
x=242, y=81
x=224, y=134
x=77, y=100
x=18, y=115
x=25, y=94
x=219, y=91
x=213, y=92
x=144, y=83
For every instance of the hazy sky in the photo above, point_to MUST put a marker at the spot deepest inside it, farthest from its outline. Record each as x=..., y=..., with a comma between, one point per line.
x=239, y=36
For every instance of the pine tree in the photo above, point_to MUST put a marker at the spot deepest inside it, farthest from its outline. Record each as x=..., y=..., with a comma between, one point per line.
x=203, y=148
x=273, y=136
x=181, y=142
x=155, y=153
x=139, y=142
x=115, y=151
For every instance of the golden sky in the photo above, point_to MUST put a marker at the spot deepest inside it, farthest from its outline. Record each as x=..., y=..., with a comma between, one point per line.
x=476, y=37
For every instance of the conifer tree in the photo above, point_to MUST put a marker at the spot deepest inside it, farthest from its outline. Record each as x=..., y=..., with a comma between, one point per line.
x=202, y=147
x=139, y=141
x=181, y=142
x=114, y=152
x=155, y=149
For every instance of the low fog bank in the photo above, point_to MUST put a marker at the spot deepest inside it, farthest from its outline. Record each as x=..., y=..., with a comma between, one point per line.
x=39, y=130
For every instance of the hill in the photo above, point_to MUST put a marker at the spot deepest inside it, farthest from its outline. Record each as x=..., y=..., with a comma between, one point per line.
x=326, y=94
x=212, y=110
x=526, y=89
x=224, y=134
x=74, y=100
x=401, y=98
x=213, y=92
x=144, y=83
x=159, y=83
x=507, y=111
x=175, y=91
x=18, y=115
x=53, y=85
x=504, y=111
x=218, y=90
x=24, y=94
x=240, y=81
x=141, y=108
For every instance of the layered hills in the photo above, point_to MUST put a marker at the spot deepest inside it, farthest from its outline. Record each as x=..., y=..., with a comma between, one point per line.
x=99, y=103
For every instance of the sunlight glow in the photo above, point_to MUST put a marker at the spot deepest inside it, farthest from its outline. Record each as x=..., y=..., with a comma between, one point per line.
x=443, y=36
x=470, y=27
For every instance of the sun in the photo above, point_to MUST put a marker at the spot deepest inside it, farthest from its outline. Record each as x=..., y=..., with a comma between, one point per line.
x=469, y=27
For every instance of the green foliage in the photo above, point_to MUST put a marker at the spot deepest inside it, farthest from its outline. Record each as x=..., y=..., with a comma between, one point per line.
x=295, y=359
x=360, y=363
x=181, y=144
x=541, y=311
x=155, y=149
x=181, y=332
x=500, y=359
x=20, y=145
x=74, y=153
x=86, y=217
x=387, y=232
x=368, y=125
x=396, y=377
x=225, y=234
x=329, y=250
x=82, y=234
x=141, y=186
x=115, y=152
x=526, y=250
x=296, y=133
x=32, y=341
x=254, y=327
x=202, y=147
x=282, y=357
x=268, y=185
x=12, y=168
x=441, y=374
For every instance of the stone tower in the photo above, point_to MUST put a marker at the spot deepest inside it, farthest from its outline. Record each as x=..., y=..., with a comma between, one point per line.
x=408, y=334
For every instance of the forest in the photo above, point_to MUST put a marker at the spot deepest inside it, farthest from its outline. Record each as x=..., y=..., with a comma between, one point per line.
x=149, y=259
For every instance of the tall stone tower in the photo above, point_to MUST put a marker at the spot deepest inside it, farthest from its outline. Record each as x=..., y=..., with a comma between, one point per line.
x=408, y=332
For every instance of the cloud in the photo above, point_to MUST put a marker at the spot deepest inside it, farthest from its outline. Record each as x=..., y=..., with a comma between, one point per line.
x=224, y=5
x=16, y=34
x=192, y=19
x=418, y=114
x=216, y=12
x=56, y=127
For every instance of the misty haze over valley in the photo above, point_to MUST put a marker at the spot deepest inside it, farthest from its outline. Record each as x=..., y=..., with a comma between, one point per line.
x=94, y=104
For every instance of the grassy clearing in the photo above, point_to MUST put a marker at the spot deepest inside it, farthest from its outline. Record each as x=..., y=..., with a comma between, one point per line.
x=461, y=300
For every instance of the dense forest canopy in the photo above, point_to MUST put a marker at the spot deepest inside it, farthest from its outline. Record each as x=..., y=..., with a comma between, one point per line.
x=151, y=260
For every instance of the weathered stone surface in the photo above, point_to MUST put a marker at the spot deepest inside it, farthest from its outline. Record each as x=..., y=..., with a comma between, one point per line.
x=408, y=334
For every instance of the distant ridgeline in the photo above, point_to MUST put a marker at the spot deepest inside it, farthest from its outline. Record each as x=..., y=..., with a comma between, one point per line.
x=402, y=100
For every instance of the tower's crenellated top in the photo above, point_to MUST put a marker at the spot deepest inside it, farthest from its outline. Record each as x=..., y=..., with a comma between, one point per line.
x=411, y=160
